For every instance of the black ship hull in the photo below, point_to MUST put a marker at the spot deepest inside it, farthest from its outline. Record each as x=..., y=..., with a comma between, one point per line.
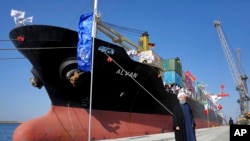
x=123, y=90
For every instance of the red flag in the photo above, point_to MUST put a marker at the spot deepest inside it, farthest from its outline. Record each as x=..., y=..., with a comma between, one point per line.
x=151, y=45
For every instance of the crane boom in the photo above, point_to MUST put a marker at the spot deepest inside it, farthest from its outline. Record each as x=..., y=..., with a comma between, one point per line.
x=142, y=49
x=239, y=79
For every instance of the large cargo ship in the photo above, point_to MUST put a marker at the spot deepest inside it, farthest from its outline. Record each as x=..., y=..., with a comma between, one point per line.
x=120, y=97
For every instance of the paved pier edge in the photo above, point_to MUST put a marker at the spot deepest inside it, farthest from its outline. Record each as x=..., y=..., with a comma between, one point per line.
x=220, y=133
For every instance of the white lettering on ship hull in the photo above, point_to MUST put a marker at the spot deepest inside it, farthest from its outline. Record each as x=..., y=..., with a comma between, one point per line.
x=126, y=73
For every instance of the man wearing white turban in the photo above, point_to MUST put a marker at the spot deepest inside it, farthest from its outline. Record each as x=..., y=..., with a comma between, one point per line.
x=183, y=120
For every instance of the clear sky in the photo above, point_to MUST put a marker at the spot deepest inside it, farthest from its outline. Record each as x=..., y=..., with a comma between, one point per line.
x=179, y=28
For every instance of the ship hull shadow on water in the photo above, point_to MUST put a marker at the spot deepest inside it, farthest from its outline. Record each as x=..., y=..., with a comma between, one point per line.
x=124, y=102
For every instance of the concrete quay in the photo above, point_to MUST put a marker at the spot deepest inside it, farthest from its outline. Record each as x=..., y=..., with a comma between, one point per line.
x=220, y=133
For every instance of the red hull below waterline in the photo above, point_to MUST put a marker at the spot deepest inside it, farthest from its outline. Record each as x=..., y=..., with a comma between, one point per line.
x=67, y=123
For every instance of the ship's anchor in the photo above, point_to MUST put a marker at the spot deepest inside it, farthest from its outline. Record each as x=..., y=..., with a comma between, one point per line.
x=36, y=81
x=74, y=78
x=67, y=70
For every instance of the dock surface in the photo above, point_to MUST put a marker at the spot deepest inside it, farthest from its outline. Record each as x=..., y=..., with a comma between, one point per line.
x=220, y=133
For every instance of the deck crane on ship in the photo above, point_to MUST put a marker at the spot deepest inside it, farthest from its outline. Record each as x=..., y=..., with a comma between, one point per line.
x=239, y=78
x=143, y=48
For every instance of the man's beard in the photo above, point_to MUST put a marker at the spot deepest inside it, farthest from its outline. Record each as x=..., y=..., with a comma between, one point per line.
x=183, y=102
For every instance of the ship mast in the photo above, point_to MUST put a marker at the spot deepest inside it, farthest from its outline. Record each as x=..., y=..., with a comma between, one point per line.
x=92, y=65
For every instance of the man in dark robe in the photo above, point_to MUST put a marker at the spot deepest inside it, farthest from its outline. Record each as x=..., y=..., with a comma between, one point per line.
x=231, y=122
x=183, y=120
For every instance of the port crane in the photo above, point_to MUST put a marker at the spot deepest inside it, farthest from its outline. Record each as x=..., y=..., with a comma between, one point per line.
x=239, y=78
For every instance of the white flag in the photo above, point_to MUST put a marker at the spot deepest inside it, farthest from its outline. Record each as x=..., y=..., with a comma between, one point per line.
x=29, y=19
x=16, y=13
x=18, y=21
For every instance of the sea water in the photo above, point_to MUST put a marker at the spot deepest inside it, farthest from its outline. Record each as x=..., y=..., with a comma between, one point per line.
x=6, y=131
